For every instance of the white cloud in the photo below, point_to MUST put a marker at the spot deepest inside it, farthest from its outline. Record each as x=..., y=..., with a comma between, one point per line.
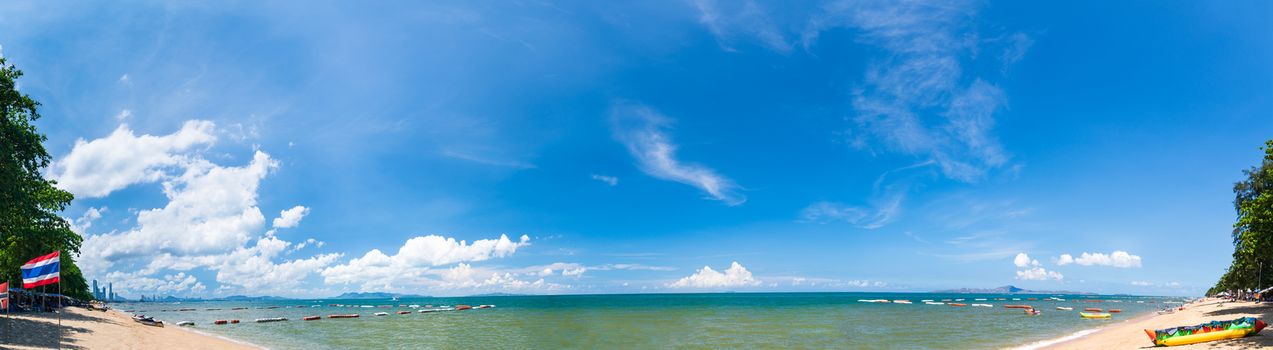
x=209, y=221
x=1142, y=283
x=290, y=217
x=644, y=132
x=97, y=168
x=917, y=98
x=1022, y=260
x=1065, y=259
x=609, y=180
x=1118, y=258
x=85, y=221
x=377, y=270
x=735, y=276
x=1038, y=274
x=1032, y=270
x=211, y=209
x=123, y=115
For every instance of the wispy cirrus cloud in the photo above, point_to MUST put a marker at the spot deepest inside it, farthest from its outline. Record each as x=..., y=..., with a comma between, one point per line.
x=645, y=134
x=920, y=95
x=917, y=97
x=732, y=20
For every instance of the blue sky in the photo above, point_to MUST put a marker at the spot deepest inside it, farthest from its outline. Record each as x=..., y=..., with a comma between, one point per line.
x=668, y=146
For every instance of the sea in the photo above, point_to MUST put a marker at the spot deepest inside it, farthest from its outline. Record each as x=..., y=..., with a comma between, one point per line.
x=659, y=321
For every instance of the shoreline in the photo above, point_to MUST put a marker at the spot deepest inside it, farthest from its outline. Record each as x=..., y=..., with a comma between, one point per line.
x=112, y=329
x=1129, y=334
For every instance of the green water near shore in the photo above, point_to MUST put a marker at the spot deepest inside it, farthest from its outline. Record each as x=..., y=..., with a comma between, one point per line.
x=696, y=321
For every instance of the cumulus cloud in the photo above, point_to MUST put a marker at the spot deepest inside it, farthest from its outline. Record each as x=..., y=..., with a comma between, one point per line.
x=644, y=132
x=290, y=217
x=84, y=222
x=735, y=276
x=1038, y=274
x=375, y=269
x=209, y=221
x=1065, y=259
x=1023, y=260
x=1118, y=258
x=1031, y=269
x=210, y=209
x=101, y=166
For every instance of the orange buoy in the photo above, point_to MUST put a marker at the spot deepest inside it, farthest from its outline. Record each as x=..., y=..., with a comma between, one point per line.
x=219, y=322
x=403, y=312
x=1115, y=310
x=343, y=316
x=234, y=321
x=311, y=318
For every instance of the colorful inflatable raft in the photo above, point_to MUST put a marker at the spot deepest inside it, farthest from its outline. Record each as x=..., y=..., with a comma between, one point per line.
x=1094, y=315
x=1210, y=331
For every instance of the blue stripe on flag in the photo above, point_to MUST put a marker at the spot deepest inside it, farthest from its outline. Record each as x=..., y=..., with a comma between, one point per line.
x=41, y=271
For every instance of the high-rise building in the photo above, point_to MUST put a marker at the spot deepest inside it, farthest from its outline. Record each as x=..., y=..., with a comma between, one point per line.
x=111, y=287
x=97, y=294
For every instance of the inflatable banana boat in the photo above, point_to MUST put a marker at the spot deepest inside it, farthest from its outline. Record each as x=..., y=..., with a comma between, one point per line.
x=1210, y=331
x=1094, y=315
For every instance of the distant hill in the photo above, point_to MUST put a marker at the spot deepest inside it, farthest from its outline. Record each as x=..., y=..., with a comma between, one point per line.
x=375, y=295
x=1006, y=290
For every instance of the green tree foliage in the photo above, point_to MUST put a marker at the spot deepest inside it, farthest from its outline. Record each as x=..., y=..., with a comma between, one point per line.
x=1253, y=232
x=29, y=204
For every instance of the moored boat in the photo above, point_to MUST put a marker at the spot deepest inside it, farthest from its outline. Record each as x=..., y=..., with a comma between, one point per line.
x=1092, y=309
x=311, y=318
x=1066, y=308
x=895, y=302
x=381, y=314
x=220, y=322
x=185, y=323
x=1114, y=311
x=343, y=316
x=271, y=319
x=403, y=312
x=957, y=304
x=1018, y=306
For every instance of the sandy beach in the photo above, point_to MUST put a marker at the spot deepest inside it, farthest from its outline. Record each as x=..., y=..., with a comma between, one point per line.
x=84, y=329
x=1130, y=334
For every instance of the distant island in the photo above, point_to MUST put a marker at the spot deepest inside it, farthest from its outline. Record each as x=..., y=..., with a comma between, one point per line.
x=376, y=295
x=1007, y=290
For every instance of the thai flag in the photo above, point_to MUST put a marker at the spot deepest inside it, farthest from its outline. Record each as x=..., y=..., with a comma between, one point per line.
x=41, y=271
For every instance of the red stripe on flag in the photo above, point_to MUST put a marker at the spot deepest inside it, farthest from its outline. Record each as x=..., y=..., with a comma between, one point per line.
x=41, y=282
x=50, y=256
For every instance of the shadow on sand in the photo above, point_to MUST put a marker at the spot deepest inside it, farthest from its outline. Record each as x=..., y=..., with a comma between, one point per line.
x=41, y=330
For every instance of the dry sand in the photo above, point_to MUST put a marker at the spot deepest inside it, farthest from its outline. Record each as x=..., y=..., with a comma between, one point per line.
x=1131, y=334
x=84, y=329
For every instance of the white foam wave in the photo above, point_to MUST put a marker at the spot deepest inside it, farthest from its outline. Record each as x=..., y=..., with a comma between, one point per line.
x=1046, y=343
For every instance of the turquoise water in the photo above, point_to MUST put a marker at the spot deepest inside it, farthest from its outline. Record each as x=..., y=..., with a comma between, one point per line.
x=706, y=321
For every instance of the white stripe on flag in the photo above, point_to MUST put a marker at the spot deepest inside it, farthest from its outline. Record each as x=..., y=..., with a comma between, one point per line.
x=39, y=278
x=39, y=263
